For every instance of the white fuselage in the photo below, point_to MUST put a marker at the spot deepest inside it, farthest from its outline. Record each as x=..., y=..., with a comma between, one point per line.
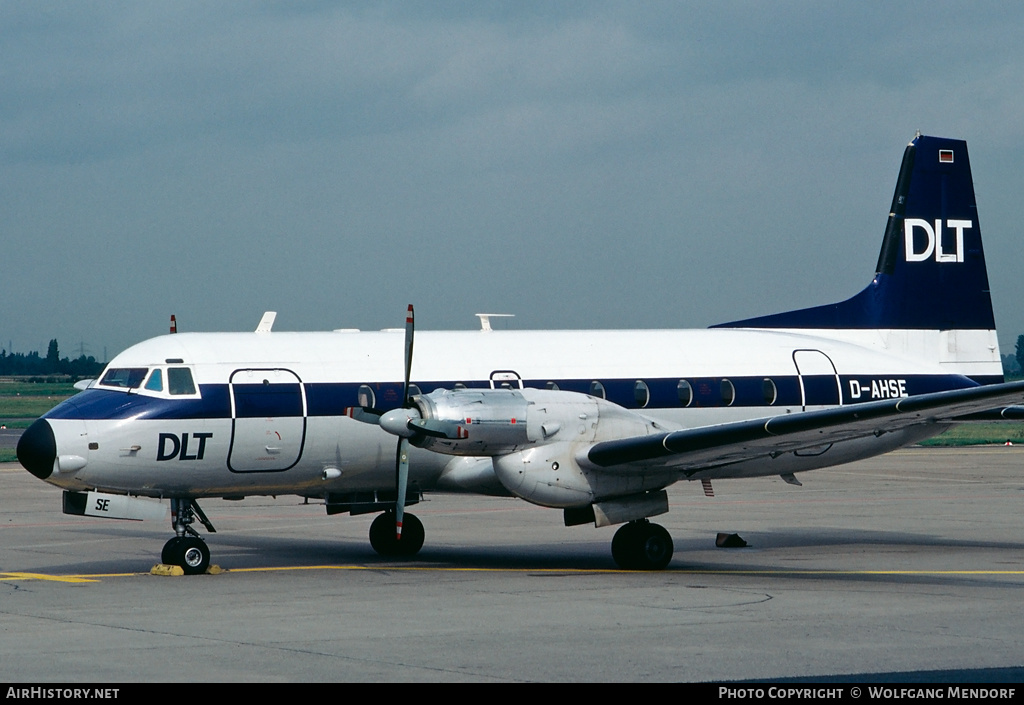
x=267, y=414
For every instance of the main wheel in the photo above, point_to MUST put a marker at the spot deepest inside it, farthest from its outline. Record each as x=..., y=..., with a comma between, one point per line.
x=382, y=536
x=413, y=535
x=624, y=545
x=640, y=545
x=189, y=552
x=655, y=548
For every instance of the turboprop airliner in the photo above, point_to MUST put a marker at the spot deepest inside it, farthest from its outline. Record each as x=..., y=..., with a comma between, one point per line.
x=594, y=423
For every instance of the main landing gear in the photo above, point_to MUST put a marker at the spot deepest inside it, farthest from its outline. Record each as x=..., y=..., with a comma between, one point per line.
x=641, y=545
x=187, y=549
x=382, y=535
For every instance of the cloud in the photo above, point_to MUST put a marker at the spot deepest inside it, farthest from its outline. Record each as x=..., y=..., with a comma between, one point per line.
x=566, y=160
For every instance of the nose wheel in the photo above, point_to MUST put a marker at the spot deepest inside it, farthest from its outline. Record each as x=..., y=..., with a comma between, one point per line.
x=187, y=549
x=189, y=552
x=641, y=545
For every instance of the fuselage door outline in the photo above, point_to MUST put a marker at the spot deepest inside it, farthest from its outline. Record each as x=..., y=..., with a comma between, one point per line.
x=268, y=420
x=506, y=379
x=811, y=367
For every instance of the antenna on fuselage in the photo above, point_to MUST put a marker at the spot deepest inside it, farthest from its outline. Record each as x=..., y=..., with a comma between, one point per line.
x=485, y=319
x=267, y=322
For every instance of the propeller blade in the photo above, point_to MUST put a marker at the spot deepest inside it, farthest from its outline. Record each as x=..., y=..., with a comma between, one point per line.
x=410, y=329
x=402, y=480
x=402, y=462
x=363, y=414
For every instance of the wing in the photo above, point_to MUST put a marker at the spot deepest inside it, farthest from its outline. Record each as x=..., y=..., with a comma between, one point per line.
x=692, y=450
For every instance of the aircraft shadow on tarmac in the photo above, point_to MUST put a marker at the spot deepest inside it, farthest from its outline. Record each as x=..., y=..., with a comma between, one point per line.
x=779, y=551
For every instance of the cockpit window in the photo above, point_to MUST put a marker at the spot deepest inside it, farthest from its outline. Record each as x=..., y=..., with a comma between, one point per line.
x=124, y=377
x=156, y=381
x=179, y=381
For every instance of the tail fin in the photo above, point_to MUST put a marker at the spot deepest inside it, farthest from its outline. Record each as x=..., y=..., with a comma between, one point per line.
x=931, y=273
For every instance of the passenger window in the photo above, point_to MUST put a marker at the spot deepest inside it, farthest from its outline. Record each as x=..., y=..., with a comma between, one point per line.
x=728, y=392
x=641, y=393
x=597, y=390
x=685, y=392
x=551, y=385
x=366, y=397
x=769, y=391
x=179, y=381
x=156, y=381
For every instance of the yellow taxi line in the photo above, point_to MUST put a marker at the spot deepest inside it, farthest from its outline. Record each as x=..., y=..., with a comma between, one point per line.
x=96, y=577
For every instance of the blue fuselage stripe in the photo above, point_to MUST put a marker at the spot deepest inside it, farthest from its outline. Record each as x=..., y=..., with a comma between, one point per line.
x=331, y=399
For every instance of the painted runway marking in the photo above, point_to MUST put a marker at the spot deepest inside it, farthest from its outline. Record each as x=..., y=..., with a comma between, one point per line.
x=54, y=578
x=97, y=577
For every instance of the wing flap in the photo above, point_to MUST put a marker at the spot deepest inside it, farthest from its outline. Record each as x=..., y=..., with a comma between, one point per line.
x=694, y=449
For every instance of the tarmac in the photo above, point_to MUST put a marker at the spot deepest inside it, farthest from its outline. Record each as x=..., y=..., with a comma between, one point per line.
x=9, y=437
x=908, y=567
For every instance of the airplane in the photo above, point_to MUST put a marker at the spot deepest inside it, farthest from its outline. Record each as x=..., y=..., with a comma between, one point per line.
x=595, y=423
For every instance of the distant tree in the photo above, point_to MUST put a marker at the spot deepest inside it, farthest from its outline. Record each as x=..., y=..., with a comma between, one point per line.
x=12, y=363
x=1010, y=366
x=1020, y=351
x=82, y=367
x=52, y=356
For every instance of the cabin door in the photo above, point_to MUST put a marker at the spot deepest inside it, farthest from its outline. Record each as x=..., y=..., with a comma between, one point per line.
x=506, y=379
x=819, y=380
x=268, y=420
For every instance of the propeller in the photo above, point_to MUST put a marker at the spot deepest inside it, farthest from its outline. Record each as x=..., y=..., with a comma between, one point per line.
x=402, y=463
x=397, y=422
x=407, y=423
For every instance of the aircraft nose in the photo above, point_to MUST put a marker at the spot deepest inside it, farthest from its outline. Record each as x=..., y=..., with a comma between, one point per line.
x=37, y=449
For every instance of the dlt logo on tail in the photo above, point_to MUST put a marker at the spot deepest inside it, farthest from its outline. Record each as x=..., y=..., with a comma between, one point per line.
x=933, y=237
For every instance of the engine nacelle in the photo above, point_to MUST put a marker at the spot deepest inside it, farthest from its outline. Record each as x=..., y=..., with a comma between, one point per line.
x=548, y=475
x=501, y=421
x=487, y=422
x=537, y=439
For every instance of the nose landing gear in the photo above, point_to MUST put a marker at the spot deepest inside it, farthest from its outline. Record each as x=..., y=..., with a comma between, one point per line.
x=187, y=549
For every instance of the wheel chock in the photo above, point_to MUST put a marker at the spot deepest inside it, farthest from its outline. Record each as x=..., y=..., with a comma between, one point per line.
x=164, y=569
x=724, y=540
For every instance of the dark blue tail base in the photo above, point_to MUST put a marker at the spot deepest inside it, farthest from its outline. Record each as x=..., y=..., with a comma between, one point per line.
x=931, y=270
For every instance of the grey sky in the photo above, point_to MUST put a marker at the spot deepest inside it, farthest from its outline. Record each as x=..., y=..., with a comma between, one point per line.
x=579, y=164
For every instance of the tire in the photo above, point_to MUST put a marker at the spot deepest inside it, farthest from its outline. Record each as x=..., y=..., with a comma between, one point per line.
x=413, y=535
x=640, y=545
x=194, y=555
x=382, y=536
x=171, y=555
x=654, y=549
x=625, y=545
